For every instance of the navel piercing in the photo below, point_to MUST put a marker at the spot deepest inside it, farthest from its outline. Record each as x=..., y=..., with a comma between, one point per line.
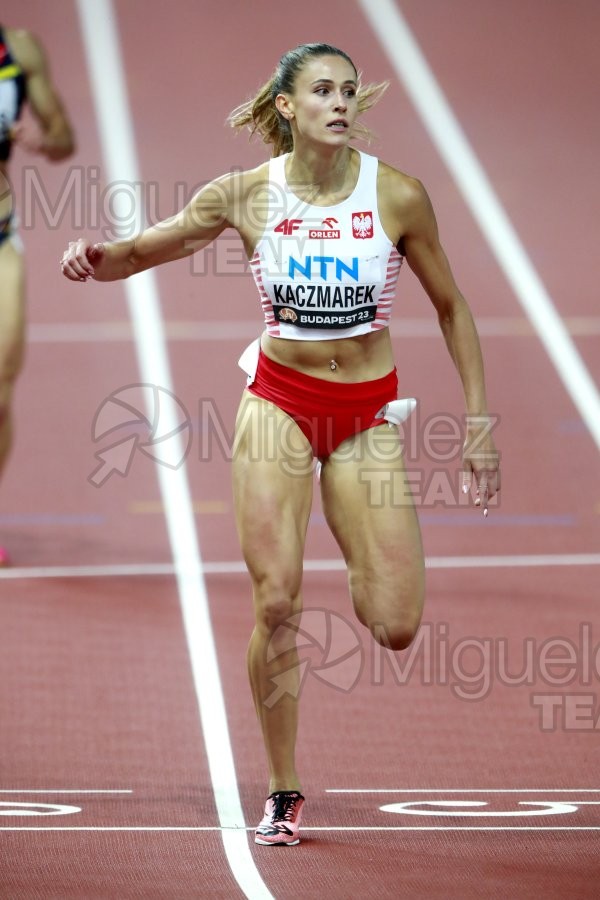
x=333, y=365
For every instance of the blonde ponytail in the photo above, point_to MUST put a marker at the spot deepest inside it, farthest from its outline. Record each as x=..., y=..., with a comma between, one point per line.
x=261, y=117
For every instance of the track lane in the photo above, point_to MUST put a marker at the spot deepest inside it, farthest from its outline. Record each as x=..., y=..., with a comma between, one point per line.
x=533, y=423
x=134, y=741
x=530, y=426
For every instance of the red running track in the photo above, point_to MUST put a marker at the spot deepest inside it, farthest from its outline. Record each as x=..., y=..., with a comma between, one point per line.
x=96, y=685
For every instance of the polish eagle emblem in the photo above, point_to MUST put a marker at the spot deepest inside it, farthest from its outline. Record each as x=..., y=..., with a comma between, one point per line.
x=362, y=225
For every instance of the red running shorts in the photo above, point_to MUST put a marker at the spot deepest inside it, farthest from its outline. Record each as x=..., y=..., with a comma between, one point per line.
x=327, y=412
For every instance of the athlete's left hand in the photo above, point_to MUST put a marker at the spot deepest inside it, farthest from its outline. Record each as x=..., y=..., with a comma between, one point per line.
x=29, y=135
x=481, y=462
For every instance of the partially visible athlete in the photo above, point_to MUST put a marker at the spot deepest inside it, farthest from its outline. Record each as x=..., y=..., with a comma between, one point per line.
x=325, y=229
x=24, y=77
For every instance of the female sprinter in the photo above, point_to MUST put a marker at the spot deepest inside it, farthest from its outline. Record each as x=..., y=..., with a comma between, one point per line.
x=23, y=75
x=325, y=228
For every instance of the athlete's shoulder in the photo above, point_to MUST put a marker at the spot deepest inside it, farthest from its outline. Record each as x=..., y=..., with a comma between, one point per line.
x=240, y=184
x=405, y=189
x=241, y=189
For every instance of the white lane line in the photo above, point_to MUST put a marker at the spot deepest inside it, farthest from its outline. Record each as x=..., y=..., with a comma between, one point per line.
x=102, y=45
x=238, y=567
x=444, y=129
x=327, y=828
x=462, y=791
x=534, y=560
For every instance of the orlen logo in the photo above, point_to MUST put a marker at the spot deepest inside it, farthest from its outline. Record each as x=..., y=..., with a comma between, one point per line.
x=328, y=232
x=288, y=226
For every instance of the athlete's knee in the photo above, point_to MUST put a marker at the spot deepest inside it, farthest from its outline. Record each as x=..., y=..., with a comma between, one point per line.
x=276, y=604
x=391, y=612
x=395, y=635
x=11, y=362
x=5, y=402
x=275, y=612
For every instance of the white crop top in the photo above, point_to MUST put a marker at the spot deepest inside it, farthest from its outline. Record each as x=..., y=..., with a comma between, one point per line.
x=325, y=272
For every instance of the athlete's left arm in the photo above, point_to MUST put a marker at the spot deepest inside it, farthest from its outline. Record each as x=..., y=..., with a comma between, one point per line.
x=426, y=257
x=54, y=137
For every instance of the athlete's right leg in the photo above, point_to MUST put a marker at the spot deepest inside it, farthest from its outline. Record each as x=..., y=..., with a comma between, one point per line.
x=272, y=478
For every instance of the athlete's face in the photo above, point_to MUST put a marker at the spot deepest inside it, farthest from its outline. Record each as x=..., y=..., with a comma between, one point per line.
x=323, y=106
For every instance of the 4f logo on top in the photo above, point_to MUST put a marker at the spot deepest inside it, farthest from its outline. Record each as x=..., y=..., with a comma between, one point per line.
x=362, y=225
x=288, y=226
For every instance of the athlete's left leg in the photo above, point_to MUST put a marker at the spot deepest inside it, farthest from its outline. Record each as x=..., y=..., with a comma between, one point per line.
x=369, y=507
x=12, y=340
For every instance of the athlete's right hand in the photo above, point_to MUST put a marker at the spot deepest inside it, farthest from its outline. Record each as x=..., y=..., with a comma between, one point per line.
x=79, y=259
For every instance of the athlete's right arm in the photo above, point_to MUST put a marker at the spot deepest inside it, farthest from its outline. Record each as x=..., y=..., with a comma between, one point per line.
x=194, y=227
